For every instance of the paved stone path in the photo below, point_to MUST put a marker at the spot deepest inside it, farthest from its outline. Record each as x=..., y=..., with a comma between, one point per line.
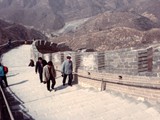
x=67, y=103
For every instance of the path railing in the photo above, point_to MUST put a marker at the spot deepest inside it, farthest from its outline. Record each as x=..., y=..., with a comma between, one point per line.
x=10, y=115
x=3, y=49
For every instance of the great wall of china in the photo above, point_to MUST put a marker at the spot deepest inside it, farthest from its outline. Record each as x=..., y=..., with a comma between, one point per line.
x=134, y=72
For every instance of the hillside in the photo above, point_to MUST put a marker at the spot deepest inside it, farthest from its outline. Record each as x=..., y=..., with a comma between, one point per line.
x=97, y=24
x=113, y=30
x=17, y=32
x=52, y=15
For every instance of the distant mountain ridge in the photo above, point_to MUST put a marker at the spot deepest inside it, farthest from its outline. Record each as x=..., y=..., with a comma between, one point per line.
x=53, y=14
x=113, y=30
x=109, y=24
x=17, y=32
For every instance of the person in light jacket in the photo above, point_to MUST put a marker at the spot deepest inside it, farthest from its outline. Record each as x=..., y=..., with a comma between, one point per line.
x=49, y=74
x=67, y=68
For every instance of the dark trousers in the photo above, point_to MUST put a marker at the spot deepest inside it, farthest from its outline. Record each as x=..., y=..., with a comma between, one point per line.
x=1, y=83
x=4, y=78
x=53, y=83
x=40, y=76
x=69, y=79
x=5, y=81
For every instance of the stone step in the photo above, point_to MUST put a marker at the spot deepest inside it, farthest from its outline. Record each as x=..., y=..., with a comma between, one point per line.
x=147, y=114
x=111, y=110
x=120, y=111
x=153, y=112
x=143, y=116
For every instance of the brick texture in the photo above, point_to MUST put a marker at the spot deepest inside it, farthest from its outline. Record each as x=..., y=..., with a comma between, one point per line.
x=129, y=71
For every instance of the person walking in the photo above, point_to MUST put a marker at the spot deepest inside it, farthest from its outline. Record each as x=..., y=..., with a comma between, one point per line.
x=5, y=77
x=49, y=74
x=3, y=72
x=67, y=68
x=39, y=68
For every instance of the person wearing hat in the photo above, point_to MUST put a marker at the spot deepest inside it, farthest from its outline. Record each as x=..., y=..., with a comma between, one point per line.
x=67, y=68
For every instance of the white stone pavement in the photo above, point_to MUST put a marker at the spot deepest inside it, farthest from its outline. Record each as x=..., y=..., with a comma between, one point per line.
x=67, y=103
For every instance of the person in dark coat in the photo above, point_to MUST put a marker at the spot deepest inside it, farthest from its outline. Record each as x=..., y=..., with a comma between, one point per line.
x=31, y=63
x=67, y=68
x=39, y=67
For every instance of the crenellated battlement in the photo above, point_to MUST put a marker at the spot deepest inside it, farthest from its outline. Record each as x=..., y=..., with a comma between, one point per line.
x=130, y=71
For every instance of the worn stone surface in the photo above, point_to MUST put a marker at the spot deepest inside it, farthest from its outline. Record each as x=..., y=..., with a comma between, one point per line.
x=69, y=102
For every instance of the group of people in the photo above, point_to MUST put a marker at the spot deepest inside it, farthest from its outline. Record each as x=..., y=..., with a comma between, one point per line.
x=3, y=78
x=47, y=72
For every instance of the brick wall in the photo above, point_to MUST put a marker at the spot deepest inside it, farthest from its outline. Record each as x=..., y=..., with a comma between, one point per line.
x=135, y=86
x=129, y=71
x=122, y=61
x=156, y=61
x=57, y=59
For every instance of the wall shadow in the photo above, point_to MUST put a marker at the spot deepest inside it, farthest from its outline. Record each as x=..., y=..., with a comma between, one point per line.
x=12, y=75
x=19, y=83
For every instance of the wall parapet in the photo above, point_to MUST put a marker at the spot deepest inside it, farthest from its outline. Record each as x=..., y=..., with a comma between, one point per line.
x=6, y=47
x=138, y=62
x=130, y=71
x=145, y=87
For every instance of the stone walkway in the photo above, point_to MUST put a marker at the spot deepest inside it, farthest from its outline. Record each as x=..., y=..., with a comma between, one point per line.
x=68, y=103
